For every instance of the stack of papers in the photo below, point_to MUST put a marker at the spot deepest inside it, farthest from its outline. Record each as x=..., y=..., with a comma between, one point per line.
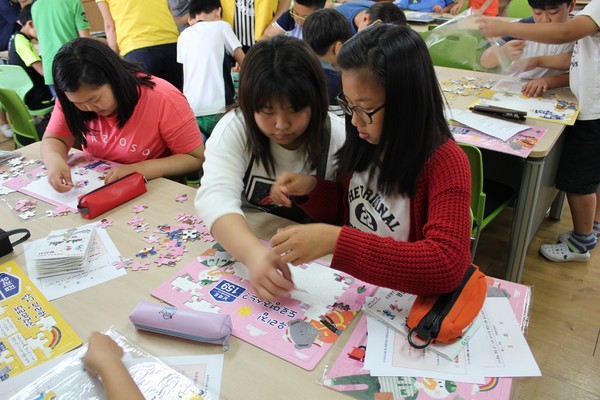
x=392, y=308
x=64, y=251
x=6, y=155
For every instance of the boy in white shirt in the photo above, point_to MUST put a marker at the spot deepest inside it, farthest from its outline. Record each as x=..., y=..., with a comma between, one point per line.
x=205, y=50
x=579, y=170
x=542, y=79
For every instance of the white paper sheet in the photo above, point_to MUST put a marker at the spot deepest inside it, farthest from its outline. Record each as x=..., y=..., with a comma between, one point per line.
x=496, y=127
x=103, y=254
x=204, y=370
x=500, y=349
x=390, y=354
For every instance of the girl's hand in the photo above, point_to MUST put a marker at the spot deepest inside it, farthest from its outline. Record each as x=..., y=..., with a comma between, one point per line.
x=437, y=9
x=299, y=244
x=270, y=276
x=102, y=352
x=118, y=172
x=513, y=49
x=59, y=177
x=535, y=87
x=289, y=184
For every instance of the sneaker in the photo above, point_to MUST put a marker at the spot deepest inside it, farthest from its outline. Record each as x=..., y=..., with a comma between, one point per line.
x=561, y=253
x=563, y=237
x=7, y=130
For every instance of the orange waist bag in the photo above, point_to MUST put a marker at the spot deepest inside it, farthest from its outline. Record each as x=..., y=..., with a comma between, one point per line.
x=446, y=317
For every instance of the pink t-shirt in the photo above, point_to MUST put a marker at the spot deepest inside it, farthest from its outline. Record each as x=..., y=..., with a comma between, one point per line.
x=161, y=124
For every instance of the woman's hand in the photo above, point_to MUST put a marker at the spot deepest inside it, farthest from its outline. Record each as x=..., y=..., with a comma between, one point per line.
x=270, y=276
x=59, y=176
x=289, y=184
x=299, y=244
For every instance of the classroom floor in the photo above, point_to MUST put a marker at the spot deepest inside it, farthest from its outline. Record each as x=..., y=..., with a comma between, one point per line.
x=564, y=325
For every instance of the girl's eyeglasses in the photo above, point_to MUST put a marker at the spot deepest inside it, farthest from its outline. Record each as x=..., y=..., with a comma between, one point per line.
x=365, y=115
x=298, y=18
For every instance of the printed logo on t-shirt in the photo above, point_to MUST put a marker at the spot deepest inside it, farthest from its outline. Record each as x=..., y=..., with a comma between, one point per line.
x=370, y=211
x=123, y=142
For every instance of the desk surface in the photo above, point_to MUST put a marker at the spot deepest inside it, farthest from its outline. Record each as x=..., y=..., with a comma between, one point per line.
x=542, y=148
x=248, y=373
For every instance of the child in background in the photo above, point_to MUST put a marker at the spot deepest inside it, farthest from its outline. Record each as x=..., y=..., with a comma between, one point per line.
x=420, y=5
x=487, y=7
x=22, y=53
x=579, y=169
x=205, y=50
x=290, y=23
x=103, y=357
x=119, y=113
x=541, y=79
x=398, y=213
x=250, y=18
x=356, y=12
x=281, y=124
x=362, y=13
x=386, y=12
x=57, y=22
x=326, y=31
x=447, y=6
x=145, y=32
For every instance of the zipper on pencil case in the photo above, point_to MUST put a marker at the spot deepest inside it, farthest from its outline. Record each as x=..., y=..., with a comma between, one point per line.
x=112, y=183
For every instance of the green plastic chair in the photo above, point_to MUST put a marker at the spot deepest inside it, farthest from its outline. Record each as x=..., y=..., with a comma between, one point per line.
x=20, y=119
x=518, y=9
x=14, y=77
x=458, y=50
x=488, y=198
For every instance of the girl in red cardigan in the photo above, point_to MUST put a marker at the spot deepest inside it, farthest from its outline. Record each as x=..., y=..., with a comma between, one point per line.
x=398, y=214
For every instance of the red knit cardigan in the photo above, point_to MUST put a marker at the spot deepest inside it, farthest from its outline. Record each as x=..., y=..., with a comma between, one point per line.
x=437, y=253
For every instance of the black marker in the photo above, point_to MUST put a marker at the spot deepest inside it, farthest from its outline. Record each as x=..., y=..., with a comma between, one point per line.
x=501, y=112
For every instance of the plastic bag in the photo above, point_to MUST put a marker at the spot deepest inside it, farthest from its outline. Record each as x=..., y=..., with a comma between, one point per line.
x=69, y=380
x=458, y=43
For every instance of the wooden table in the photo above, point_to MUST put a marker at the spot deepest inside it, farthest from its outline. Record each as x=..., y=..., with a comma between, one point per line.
x=248, y=373
x=532, y=178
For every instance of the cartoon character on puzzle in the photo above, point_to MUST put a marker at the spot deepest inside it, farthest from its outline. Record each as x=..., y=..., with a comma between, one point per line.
x=304, y=334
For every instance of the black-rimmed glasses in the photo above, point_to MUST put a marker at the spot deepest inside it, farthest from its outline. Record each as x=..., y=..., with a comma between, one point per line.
x=365, y=115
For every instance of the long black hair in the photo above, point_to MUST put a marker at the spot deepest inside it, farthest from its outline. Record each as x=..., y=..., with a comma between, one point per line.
x=283, y=68
x=413, y=125
x=85, y=61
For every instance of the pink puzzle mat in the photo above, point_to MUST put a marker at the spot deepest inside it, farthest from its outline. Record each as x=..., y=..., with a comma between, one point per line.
x=299, y=329
x=348, y=376
x=87, y=173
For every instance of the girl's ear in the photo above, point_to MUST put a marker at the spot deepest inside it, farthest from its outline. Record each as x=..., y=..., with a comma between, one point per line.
x=219, y=11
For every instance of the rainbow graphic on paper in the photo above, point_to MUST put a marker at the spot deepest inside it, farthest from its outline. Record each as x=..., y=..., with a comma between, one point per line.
x=56, y=336
x=489, y=385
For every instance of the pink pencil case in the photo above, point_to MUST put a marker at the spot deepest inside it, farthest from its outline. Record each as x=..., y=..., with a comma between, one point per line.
x=187, y=324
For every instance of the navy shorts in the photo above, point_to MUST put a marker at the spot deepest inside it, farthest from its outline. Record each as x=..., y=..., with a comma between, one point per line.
x=161, y=61
x=579, y=168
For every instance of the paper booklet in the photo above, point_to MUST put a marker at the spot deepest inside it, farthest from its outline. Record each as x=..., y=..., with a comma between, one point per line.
x=299, y=328
x=392, y=307
x=64, y=251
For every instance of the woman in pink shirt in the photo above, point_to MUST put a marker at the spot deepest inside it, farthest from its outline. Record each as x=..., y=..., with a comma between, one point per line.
x=117, y=112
